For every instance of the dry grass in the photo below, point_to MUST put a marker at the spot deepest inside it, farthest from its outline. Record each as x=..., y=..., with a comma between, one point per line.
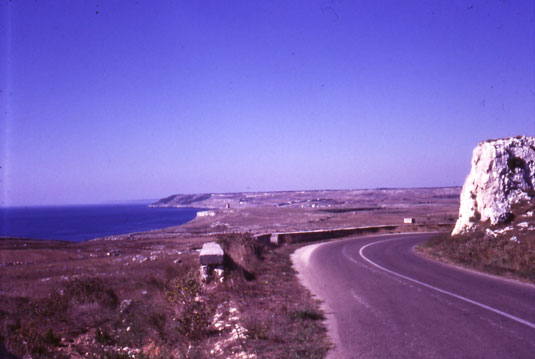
x=64, y=300
x=86, y=314
x=511, y=253
x=78, y=301
x=281, y=317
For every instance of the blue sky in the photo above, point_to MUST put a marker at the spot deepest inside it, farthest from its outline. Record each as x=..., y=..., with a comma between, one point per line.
x=117, y=100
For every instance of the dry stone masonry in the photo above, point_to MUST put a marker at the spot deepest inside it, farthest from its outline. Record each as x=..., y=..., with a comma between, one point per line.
x=502, y=174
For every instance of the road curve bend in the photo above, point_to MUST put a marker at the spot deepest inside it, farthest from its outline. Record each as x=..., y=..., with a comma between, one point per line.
x=385, y=301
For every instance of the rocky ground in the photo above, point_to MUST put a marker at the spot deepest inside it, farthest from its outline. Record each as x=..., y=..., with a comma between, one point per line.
x=505, y=248
x=139, y=295
x=312, y=210
x=144, y=299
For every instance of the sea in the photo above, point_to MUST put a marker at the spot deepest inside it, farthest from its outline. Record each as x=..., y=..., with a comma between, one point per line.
x=83, y=222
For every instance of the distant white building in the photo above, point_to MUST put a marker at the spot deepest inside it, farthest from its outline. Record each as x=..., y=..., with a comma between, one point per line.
x=206, y=214
x=409, y=220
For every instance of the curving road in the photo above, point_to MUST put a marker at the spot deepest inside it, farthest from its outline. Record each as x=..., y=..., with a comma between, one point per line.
x=385, y=301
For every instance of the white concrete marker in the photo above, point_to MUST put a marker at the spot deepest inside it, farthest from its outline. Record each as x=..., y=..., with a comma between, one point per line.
x=211, y=254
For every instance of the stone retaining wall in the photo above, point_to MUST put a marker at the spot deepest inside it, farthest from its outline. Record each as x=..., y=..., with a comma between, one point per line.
x=317, y=235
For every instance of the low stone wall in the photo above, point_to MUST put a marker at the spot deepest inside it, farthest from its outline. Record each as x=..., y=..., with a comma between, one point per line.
x=263, y=238
x=318, y=235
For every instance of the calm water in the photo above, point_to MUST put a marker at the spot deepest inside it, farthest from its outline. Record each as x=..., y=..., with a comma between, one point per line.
x=80, y=223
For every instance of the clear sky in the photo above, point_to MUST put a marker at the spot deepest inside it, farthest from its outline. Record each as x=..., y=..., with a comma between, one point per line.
x=115, y=100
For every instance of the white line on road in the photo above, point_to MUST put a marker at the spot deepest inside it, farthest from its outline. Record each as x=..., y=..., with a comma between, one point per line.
x=481, y=305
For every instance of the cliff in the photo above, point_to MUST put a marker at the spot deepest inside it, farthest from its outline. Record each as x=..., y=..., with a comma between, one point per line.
x=502, y=174
x=182, y=200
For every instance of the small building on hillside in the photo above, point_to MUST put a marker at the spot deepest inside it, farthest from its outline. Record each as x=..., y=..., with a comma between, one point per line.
x=206, y=214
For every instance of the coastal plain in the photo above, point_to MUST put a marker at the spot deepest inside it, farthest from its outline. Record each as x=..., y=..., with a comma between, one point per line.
x=267, y=212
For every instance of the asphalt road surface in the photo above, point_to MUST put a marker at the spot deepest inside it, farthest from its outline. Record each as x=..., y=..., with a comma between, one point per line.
x=386, y=301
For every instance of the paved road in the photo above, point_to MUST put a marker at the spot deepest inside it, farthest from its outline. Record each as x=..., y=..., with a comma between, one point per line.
x=388, y=302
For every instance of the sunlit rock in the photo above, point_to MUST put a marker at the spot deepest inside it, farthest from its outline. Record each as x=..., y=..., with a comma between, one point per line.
x=502, y=174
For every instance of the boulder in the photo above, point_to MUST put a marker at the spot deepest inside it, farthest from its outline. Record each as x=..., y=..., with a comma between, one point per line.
x=502, y=174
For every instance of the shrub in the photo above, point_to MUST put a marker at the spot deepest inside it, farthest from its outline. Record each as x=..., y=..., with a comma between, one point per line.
x=194, y=314
x=157, y=320
x=103, y=337
x=256, y=328
x=51, y=339
x=308, y=314
x=194, y=321
x=90, y=289
x=182, y=290
x=53, y=306
x=27, y=338
x=140, y=322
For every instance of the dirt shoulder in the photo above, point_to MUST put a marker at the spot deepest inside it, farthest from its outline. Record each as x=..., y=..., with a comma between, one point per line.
x=300, y=259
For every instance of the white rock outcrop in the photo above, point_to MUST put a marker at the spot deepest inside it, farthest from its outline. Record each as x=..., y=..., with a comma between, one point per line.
x=502, y=173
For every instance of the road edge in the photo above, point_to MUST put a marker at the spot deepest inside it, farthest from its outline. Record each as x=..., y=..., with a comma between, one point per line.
x=301, y=262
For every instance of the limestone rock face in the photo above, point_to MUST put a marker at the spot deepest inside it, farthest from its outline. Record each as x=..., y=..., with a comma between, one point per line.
x=502, y=173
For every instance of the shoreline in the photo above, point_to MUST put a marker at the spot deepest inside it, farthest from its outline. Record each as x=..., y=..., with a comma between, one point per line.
x=92, y=222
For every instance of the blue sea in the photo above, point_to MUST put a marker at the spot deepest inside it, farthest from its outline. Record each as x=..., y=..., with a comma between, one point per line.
x=83, y=222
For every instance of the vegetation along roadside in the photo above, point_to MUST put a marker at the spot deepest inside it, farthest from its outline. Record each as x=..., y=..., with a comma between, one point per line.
x=121, y=304
x=506, y=249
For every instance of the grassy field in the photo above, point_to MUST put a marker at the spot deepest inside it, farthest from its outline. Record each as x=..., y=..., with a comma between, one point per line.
x=85, y=301
x=505, y=249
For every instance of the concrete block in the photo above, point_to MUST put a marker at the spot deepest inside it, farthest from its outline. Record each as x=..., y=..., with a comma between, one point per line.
x=275, y=239
x=211, y=254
